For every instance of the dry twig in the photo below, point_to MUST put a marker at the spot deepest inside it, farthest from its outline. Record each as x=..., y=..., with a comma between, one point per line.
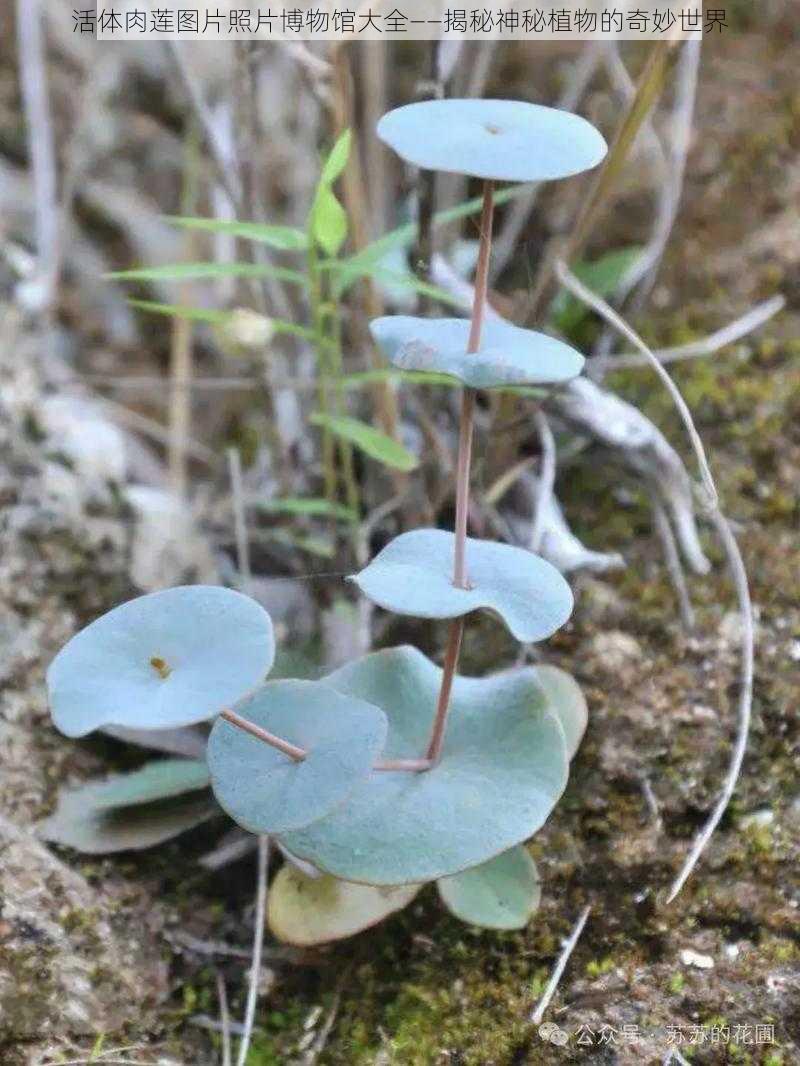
x=561, y=963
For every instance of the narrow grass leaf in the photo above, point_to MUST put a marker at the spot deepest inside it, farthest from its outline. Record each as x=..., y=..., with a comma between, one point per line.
x=371, y=441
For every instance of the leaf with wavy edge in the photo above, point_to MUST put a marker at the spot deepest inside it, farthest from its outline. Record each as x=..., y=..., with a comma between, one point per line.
x=76, y=823
x=414, y=575
x=508, y=355
x=266, y=791
x=305, y=911
x=503, y=893
x=503, y=767
x=168, y=659
x=502, y=140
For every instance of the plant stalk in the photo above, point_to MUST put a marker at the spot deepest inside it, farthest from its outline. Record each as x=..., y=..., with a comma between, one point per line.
x=299, y=754
x=463, y=466
x=323, y=367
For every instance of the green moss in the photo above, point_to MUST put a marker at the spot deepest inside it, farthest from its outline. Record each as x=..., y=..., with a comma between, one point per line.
x=676, y=983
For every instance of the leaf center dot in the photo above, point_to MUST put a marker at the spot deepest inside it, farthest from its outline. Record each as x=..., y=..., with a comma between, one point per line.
x=161, y=667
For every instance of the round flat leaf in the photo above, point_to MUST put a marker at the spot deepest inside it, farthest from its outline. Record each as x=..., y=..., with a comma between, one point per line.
x=76, y=823
x=567, y=702
x=163, y=660
x=503, y=140
x=305, y=912
x=503, y=893
x=268, y=792
x=508, y=355
x=414, y=575
x=503, y=767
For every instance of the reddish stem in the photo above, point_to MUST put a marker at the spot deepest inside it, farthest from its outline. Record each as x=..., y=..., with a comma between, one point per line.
x=462, y=475
x=298, y=754
x=448, y=676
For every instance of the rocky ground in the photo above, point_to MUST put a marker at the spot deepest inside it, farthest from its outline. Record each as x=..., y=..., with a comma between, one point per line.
x=115, y=946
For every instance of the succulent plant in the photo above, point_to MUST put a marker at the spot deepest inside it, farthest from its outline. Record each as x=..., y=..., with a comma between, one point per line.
x=390, y=772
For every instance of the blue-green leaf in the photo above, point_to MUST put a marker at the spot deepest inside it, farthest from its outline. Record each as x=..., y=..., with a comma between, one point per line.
x=567, y=702
x=306, y=911
x=284, y=238
x=371, y=441
x=268, y=792
x=502, y=140
x=414, y=575
x=503, y=767
x=163, y=660
x=503, y=893
x=77, y=823
x=157, y=780
x=507, y=355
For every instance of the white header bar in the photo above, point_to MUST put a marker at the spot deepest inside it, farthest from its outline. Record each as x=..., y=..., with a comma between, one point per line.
x=392, y=20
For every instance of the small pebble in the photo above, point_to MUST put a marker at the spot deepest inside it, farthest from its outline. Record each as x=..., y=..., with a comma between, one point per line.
x=694, y=958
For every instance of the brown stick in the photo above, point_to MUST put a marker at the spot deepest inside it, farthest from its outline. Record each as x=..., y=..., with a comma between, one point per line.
x=298, y=754
x=462, y=476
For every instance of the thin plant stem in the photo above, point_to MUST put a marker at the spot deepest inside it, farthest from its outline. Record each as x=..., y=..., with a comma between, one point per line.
x=352, y=492
x=448, y=676
x=463, y=465
x=298, y=754
x=258, y=946
x=323, y=367
x=292, y=750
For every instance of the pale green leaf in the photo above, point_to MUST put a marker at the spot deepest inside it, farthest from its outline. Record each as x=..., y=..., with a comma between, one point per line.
x=336, y=162
x=203, y=271
x=603, y=276
x=306, y=506
x=371, y=441
x=328, y=221
x=284, y=238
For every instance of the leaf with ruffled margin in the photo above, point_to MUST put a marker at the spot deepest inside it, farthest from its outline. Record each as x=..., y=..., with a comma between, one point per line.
x=503, y=893
x=503, y=767
x=305, y=911
x=128, y=811
x=266, y=791
x=502, y=140
x=414, y=575
x=508, y=355
x=168, y=659
x=567, y=702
